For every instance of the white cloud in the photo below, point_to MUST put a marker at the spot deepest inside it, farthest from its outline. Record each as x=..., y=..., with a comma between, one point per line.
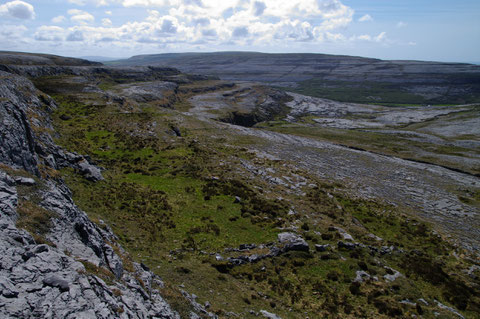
x=12, y=31
x=146, y=3
x=17, y=9
x=106, y=22
x=365, y=18
x=209, y=24
x=75, y=36
x=78, y=2
x=98, y=3
x=49, y=33
x=381, y=37
x=401, y=24
x=59, y=19
x=81, y=17
x=364, y=37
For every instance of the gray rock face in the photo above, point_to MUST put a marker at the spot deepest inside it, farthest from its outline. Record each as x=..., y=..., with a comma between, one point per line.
x=293, y=241
x=24, y=114
x=148, y=91
x=8, y=196
x=18, y=146
x=39, y=281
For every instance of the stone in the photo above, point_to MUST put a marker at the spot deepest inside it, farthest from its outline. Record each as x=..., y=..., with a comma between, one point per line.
x=375, y=237
x=392, y=275
x=322, y=248
x=113, y=260
x=40, y=249
x=177, y=132
x=91, y=172
x=452, y=310
x=25, y=181
x=269, y=315
x=8, y=196
x=293, y=241
x=54, y=281
x=50, y=161
x=361, y=276
x=344, y=234
x=346, y=245
x=247, y=246
x=7, y=288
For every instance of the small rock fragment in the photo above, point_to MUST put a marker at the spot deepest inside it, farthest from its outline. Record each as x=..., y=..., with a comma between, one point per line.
x=269, y=315
x=25, y=181
x=322, y=248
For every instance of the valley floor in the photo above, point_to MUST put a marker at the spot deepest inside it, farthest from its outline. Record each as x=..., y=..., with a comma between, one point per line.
x=437, y=194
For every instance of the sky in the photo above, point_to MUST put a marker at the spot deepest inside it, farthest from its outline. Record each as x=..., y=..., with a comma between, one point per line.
x=440, y=30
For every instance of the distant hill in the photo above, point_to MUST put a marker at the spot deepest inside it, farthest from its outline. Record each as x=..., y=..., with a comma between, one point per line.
x=339, y=77
x=98, y=58
x=22, y=58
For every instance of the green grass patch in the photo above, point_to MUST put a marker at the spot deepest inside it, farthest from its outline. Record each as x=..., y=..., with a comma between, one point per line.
x=36, y=220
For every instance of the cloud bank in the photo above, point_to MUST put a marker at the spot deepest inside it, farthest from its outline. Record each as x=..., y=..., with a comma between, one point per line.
x=182, y=25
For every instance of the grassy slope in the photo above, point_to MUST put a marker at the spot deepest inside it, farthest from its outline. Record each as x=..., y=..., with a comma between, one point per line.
x=172, y=203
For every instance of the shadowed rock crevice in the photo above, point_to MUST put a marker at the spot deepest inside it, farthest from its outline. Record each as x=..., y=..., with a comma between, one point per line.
x=242, y=119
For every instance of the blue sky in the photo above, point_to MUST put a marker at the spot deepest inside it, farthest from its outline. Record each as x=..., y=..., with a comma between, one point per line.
x=406, y=29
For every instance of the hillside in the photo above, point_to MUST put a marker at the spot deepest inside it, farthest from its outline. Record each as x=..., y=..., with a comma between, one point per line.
x=343, y=78
x=145, y=192
x=22, y=58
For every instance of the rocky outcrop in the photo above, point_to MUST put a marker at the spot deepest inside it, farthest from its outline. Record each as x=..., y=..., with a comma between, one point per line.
x=256, y=104
x=41, y=281
x=125, y=73
x=58, y=280
x=26, y=127
x=150, y=91
x=23, y=58
x=292, y=241
x=18, y=145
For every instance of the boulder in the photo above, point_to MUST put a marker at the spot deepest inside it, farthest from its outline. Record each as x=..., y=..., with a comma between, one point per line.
x=269, y=315
x=293, y=241
x=91, y=172
x=25, y=181
x=57, y=282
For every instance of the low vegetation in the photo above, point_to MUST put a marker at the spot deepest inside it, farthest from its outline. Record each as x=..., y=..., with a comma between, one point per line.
x=183, y=205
